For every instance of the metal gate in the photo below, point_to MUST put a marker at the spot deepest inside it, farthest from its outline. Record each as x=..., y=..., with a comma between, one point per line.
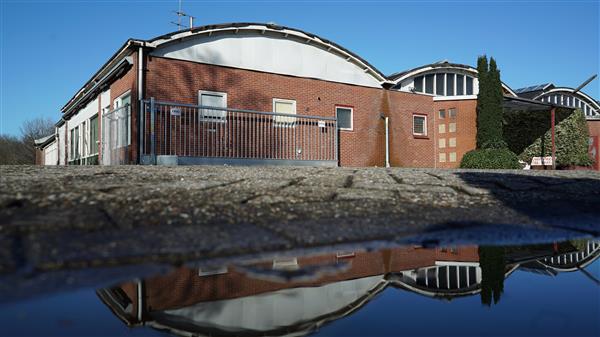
x=116, y=136
x=175, y=133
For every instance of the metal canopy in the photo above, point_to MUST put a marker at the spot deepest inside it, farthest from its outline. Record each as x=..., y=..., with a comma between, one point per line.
x=525, y=104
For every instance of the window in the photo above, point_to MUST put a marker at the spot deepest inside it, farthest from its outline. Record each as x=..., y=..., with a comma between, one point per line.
x=429, y=84
x=344, y=118
x=94, y=135
x=442, y=128
x=442, y=157
x=469, y=85
x=452, y=113
x=442, y=114
x=212, y=99
x=72, y=144
x=452, y=157
x=439, y=84
x=449, y=84
x=122, y=114
x=460, y=80
x=419, y=125
x=286, y=264
x=452, y=127
x=418, y=84
x=442, y=143
x=284, y=106
x=84, y=136
x=452, y=142
x=75, y=143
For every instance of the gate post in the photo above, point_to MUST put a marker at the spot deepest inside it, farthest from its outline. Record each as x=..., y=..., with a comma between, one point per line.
x=152, y=136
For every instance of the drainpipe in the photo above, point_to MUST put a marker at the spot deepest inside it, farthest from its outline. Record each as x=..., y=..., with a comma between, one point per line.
x=387, y=141
x=140, y=301
x=140, y=86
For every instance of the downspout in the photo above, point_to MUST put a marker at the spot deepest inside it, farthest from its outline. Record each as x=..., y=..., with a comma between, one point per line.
x=140, y=301
x=387, y=141
x=435, y=131
x=140, y=95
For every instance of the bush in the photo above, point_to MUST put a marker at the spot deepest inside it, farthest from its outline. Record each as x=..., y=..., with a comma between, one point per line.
x=490, y=159
x=571, y=143
x=522, y=128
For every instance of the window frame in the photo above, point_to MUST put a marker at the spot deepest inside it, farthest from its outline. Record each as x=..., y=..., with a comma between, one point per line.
x=421, y=79
x=127, y=118
x=425, y=133
x=347, y=107
x=94, y=146
x=212, y=117
x=450, y=110
x=283, y=121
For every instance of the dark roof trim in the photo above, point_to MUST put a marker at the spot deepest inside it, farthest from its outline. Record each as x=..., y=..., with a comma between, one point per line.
x=97, y=76
x=70, y=108
x=43, y=142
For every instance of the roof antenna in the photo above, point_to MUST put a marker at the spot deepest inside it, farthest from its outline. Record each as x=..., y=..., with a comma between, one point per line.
x=180, y=13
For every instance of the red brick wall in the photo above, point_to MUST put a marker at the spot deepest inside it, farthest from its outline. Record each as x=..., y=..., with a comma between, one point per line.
x=180, y=81
x=184, y=287
x=407, y=150
x=39, y=156
x=128, y=82
x=466, y=130
x=594, y=129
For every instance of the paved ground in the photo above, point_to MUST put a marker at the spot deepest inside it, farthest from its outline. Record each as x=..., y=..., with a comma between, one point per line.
x=70, y=217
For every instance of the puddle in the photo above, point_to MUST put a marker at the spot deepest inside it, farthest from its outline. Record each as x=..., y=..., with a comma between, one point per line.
x=514, y=290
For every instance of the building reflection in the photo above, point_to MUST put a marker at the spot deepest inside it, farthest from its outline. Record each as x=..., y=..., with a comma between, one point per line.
x=296, y=295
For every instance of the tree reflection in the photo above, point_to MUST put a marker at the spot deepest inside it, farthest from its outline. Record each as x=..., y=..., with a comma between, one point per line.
x=493, y=266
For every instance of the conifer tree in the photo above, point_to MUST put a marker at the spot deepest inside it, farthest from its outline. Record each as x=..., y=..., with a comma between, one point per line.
x=489, y=105
x=482, y=101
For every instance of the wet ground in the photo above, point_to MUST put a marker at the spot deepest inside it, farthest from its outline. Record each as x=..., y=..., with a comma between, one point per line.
x=550, y=289
x=229, y=251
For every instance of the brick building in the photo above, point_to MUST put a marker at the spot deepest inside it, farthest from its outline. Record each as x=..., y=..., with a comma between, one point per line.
x=248, y=93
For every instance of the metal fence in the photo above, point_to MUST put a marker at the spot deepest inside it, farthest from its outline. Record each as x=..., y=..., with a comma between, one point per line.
x=203, y=134
x=116, y=136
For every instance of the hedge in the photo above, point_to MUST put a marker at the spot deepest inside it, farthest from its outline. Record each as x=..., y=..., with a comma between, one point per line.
x=571, y=143
x=490, y=159
x=522, y=128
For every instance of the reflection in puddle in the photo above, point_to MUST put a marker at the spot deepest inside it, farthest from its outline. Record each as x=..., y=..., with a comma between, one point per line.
x=297, y=295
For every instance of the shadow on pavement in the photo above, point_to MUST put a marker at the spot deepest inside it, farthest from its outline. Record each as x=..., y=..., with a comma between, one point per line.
x=559, y=202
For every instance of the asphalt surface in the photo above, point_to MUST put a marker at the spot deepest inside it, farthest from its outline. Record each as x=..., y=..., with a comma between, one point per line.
x=52, y=218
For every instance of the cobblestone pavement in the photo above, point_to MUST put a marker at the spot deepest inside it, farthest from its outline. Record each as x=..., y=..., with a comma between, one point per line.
x=58, y=217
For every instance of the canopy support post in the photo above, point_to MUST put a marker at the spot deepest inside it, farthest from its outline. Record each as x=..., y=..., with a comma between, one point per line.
x=552, y=122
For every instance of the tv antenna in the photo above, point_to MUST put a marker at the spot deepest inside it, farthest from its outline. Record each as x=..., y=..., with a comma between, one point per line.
x=181, y=14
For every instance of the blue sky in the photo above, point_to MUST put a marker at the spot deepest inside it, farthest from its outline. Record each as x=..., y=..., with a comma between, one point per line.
x=49, y=49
